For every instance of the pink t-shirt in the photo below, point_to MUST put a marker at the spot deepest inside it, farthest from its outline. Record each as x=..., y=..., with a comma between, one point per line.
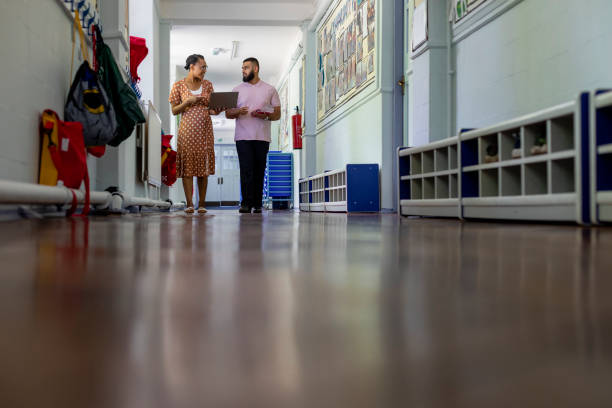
x=259, y=96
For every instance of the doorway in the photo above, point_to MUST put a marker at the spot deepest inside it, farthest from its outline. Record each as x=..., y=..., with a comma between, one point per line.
x=224, y=186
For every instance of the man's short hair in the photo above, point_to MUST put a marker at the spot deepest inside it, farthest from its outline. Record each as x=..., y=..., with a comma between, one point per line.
x=253, y=60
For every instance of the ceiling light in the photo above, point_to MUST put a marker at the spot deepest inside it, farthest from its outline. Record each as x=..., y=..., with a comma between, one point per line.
x=234, y=49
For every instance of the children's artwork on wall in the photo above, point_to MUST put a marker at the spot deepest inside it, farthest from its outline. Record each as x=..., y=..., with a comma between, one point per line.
x=371, y=38
x=345, y=46
x=346, y=41
x=364, y=20
x=320, y=100
x=364, y=71
x=284, y=126
x=371, y=12
x=462, y=8
x=353, y=73
x=353, y=42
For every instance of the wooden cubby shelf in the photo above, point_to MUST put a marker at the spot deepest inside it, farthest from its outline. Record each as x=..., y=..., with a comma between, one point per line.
x=354, y=188
x=527, y=168
x=429, y=177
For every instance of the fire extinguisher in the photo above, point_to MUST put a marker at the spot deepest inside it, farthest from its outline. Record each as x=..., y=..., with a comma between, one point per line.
x=296, y=121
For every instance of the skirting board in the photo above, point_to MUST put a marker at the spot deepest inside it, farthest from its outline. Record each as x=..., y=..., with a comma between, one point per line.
x=431, y=208
x=561, y=207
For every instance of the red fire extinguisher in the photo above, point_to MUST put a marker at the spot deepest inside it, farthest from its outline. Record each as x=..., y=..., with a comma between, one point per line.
x=296, y=121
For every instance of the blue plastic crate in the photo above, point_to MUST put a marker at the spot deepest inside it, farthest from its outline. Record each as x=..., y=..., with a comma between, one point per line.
x=278, y=183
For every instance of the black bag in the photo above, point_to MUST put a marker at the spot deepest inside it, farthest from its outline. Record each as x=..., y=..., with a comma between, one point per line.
x=120, y=93
x=88, y=103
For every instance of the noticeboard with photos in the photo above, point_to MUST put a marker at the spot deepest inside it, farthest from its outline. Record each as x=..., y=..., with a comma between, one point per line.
x=462, y=8
x=346, y=50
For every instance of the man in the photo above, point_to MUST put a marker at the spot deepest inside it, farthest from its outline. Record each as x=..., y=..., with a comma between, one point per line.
x=258, y=105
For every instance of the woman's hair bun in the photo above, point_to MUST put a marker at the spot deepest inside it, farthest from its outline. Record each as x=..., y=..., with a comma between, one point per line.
x=192, y=59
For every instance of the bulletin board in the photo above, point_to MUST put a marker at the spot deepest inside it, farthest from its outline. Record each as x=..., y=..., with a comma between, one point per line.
x=346, y=51
x=283, y=142
x=463, y=7
x=419, y=24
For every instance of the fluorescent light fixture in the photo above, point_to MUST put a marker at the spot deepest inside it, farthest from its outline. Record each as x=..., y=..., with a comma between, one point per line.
x=234, y=53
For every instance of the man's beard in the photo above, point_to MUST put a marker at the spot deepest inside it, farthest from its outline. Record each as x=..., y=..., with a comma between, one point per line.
x=249, y=77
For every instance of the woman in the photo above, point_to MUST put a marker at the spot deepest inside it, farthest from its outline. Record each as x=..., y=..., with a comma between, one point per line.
x=195, y=151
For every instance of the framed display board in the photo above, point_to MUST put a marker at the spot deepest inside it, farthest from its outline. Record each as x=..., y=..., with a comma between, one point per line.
x=283, y=142
x=419, y=24
x=346, y=47
x=463, y=7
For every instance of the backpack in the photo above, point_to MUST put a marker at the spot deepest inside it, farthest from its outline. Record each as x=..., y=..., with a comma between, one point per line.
x=88, y=102
x=168, y=161
x=124, y=100
x=63, y=156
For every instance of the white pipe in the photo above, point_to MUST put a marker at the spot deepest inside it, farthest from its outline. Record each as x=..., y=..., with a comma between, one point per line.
x=13, y=192
x=321, y=10
x=145, y=202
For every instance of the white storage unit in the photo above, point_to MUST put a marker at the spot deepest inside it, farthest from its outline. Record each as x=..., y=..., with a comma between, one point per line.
x=304, y=194
x=335, y=182
x=505, y=174
x=317, y=193
x=601, y=157
x=353, y=188
x=429, y=179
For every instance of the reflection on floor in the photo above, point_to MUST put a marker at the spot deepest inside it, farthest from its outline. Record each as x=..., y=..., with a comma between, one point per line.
x=303, y=310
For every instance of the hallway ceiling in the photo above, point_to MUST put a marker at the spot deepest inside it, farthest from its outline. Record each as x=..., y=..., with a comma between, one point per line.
x=272, y=46
x=237, y=12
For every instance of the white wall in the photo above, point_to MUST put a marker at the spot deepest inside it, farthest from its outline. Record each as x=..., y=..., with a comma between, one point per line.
x=355, y=139
x=34, y=75
x=144, y=22
x=538, y=54
x=361, y=130
x=294, y=100
x=419, y=102
x=118, y=166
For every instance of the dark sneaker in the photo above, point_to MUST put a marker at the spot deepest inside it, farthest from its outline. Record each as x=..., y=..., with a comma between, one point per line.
x=257, y=210
x=244, y=210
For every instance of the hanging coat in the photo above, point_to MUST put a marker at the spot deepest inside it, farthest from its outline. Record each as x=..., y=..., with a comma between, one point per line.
x=123, y=98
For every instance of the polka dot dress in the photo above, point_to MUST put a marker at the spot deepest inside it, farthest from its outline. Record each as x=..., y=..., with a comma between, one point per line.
x=195, y=146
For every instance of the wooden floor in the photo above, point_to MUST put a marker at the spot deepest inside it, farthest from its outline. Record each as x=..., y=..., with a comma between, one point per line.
x=303, y=310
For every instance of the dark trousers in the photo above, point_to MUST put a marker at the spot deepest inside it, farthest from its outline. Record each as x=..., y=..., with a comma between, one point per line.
x=252, y=155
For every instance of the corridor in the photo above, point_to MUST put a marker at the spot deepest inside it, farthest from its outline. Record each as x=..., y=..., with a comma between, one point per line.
x=303, y=310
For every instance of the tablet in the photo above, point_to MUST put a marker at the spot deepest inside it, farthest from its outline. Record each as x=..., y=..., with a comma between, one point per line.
x=220, y=100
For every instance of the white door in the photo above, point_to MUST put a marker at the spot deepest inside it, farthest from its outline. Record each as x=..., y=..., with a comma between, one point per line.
x=224, y=185
x=230, y=175
x=213, y=193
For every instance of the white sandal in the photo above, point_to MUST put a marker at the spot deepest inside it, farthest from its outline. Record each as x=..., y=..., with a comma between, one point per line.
x=202, y=210
x=189, y=210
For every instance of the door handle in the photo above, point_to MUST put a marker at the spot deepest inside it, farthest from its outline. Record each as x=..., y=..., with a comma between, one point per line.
x=402, y=83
